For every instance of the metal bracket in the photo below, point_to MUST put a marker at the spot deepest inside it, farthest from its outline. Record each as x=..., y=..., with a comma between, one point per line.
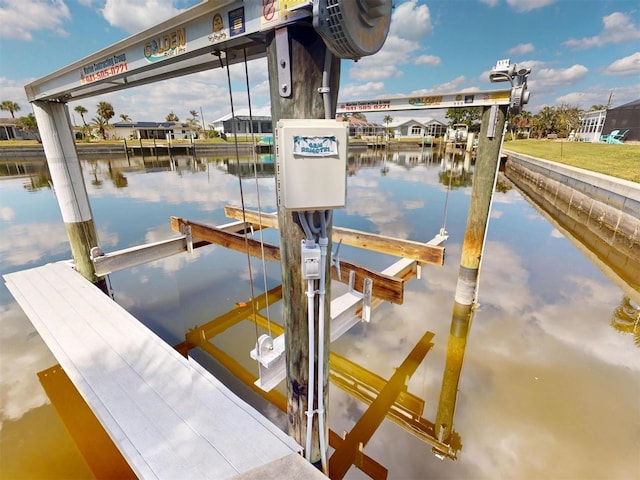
x=365, y=295
x=493, y=120
x=271, y=361
x=335, y=259
x=284, y=61
x=186, y=231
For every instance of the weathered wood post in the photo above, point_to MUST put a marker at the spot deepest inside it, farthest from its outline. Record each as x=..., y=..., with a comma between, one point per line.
x=66, y=173
x=487, y=162
x=307, y=54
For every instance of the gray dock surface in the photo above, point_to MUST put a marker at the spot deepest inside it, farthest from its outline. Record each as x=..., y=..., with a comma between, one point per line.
x=167, y=415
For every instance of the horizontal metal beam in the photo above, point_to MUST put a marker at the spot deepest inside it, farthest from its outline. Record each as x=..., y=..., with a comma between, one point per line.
x=187, y=43
x=105, y=264
x=426, y=102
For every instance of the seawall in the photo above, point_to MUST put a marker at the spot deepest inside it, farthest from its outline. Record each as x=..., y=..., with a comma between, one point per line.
x=599, y=211
x=97, y=149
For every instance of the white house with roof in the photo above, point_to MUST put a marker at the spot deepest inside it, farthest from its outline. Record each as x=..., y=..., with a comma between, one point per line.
x=362, y=128
x=11, y=130
x=261, y=124
x=416, y=127
x=150, y=130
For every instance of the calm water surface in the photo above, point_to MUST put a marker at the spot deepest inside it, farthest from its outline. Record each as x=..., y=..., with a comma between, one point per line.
x=549, y=388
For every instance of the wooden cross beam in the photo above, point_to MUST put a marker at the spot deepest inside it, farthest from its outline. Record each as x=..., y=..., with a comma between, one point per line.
x=385, y=287
x=421, y=252
x=363, y=430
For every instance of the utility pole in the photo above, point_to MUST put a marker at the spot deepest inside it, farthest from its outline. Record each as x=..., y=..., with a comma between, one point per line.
x=487, y=162
x=307, y=52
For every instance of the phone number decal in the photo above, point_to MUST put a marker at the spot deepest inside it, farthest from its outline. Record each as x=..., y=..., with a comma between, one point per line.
x=105, y=73
x=356, y=106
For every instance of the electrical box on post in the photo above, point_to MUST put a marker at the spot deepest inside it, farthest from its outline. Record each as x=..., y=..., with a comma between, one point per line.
x=311, y=164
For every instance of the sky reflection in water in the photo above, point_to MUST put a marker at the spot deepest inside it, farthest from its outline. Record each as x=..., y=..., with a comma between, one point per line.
x=548, y=390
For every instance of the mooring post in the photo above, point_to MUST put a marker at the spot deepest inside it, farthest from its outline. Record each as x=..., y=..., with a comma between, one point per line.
x=66, y=173
x=487, y=162
x=306, y=59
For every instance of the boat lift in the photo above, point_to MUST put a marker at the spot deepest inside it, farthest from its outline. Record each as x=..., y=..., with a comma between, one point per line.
x=213, y=34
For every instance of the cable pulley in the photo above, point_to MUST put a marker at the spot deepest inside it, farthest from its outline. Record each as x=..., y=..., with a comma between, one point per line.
x=352, y=29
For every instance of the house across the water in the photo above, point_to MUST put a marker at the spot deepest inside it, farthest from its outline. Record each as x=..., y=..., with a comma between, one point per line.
x=412, y=127
x=243, y=125
x=151, y=130
x=10, y=130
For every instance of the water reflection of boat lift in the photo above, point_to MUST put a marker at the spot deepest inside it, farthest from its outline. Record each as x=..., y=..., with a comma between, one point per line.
x=386, y=398
x=265, y=168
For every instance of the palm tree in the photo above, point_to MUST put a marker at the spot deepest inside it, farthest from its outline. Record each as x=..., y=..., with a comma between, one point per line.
x=568, y=119
x=518, y=122
x=172, y=117
x=9, y=106
x=28, y=124
x=124, y=117
x=81, y=110
x=105, y=111
x=544, y=122
x=387, y=120
x=193, y=121
x=101, y=124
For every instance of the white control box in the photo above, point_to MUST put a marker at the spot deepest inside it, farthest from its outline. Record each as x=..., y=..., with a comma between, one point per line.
x=311, y=164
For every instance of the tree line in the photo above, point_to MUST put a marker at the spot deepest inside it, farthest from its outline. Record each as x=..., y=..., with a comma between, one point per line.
x=559, y=120
x=98, y=124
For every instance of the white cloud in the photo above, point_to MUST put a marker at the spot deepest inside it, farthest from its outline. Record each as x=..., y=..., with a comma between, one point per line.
x=521, y=49
x=20, y=18
x=364, y=90
x=21, y=350
x=385, y=63
x=428, y=60
x=454, y=85
x=551, y=77
x=7, y=213
x=136, y=15
x=27, y=244
x=14, y=90
x=618, y=27
x=412, y=204
x=528, y=5
x=598, y=95
x=625, y=66
x=411, y=21
x=491, y=3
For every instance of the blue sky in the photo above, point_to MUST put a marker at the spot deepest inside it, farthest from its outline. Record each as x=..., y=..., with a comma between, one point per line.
x=579, y=51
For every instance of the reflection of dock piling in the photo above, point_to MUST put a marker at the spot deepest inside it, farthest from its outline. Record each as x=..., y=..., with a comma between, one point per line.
x=472, y=250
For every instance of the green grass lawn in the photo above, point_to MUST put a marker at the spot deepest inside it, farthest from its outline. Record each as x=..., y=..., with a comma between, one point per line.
x=622, y=161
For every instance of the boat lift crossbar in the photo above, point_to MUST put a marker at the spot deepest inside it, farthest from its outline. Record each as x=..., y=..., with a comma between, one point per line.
x=427, y=102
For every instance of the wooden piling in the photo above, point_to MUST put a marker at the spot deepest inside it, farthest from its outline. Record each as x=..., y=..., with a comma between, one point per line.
x=487, y=162
x=307, y=54
x=64, y=165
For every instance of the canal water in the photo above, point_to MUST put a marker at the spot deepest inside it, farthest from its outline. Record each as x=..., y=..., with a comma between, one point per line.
x=550, y=386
